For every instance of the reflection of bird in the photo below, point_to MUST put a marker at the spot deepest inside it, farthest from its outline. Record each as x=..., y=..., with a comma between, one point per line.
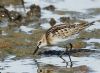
x=60, y=33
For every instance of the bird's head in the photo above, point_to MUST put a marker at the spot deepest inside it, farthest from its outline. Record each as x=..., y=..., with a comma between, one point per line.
x=41, y=43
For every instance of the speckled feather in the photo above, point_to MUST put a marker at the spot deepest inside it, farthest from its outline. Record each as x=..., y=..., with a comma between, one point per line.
x=64, y=31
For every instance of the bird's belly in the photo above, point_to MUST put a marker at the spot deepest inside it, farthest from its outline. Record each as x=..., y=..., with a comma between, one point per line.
x=69, y=39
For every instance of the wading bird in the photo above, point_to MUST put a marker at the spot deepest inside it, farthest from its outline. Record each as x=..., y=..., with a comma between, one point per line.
x=59, y=33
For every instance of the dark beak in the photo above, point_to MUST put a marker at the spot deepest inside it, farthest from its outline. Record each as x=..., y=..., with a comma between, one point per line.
x=36, y=50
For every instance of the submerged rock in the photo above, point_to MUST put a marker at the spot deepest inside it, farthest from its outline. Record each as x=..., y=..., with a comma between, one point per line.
x=52, y=21
x=35, y=10
x=50, y=7
x=65, y=20
x=4, y=13
x=15, y=16
x=12, y=25
x=56, y=69
x=79, y=44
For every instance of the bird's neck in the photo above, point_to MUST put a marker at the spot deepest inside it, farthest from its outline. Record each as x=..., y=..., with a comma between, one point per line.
x=44, y=39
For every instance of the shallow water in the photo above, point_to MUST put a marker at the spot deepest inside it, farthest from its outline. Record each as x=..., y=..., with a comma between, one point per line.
x=28, y=65
x=78, y=10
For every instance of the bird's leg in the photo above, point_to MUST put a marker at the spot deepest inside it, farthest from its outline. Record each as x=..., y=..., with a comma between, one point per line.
x=36, y=63
x=68, y=50
x=63, y=58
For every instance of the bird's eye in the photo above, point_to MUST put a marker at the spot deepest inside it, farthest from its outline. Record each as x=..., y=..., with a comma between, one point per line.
x=40, y=42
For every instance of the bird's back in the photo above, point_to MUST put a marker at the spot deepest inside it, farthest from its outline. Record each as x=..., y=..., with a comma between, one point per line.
x=63, y=32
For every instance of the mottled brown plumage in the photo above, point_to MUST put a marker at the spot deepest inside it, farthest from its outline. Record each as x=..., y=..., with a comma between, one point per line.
x=59, y=33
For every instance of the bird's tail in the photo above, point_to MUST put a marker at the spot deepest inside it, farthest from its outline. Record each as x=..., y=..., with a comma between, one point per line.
x=91, y=23
x=86, y=24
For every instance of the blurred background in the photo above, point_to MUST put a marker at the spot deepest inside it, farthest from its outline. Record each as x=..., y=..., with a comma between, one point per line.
x=22, y=22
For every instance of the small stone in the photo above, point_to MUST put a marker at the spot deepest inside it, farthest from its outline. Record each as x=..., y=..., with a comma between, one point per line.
x=15, y=16
x=35, y=10
x=52, y=21
x=65, y=19
x=50, y=7
x=3, y=12
x=58, y=69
